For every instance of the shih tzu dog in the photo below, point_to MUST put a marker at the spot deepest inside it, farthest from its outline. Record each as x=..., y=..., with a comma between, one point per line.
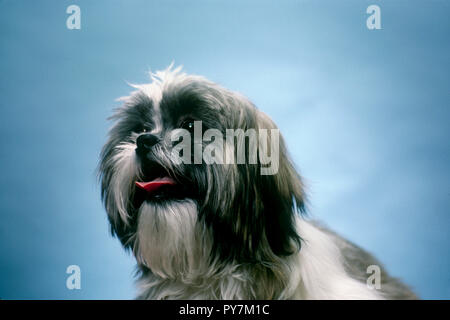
x=198, y=184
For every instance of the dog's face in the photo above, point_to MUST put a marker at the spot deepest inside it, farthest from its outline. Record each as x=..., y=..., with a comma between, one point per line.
x=174, y=214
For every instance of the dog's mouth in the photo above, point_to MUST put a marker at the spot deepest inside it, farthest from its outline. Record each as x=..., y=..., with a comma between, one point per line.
x=157, y=185
x=153, y=186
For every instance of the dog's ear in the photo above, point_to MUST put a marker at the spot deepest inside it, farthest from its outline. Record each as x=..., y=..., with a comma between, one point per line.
x=259, y=218
x=281, y=192
x=116, y=172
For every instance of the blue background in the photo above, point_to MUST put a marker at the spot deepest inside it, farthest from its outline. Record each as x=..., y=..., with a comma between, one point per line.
x=365, y=114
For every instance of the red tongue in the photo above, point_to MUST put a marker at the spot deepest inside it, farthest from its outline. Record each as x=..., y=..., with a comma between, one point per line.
x=155, y=184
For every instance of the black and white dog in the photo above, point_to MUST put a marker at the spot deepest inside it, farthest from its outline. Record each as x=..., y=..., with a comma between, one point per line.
x=209, y=217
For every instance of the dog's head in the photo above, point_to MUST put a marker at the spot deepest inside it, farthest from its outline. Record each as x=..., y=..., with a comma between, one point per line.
x=193, y=171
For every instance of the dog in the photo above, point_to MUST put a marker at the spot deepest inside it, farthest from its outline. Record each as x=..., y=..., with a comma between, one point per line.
x=203, y=228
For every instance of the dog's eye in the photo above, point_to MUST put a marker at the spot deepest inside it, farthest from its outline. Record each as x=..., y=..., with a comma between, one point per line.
x=188, y=124
x=139, y=129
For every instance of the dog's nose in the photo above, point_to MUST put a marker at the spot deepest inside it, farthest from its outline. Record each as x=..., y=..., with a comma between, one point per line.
x=146, y=141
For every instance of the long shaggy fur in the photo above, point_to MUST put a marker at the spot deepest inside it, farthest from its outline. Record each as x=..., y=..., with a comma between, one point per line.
x=235, y=234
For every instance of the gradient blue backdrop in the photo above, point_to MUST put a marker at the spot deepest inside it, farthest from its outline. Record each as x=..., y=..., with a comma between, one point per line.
x=365, y=115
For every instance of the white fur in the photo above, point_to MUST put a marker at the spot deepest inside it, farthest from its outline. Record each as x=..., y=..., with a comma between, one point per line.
x=168, y=242
x=179, y=253
x=321, y=273
x=125, y=171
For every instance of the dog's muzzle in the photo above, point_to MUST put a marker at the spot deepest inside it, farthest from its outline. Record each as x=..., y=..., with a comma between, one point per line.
x=145, y=143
